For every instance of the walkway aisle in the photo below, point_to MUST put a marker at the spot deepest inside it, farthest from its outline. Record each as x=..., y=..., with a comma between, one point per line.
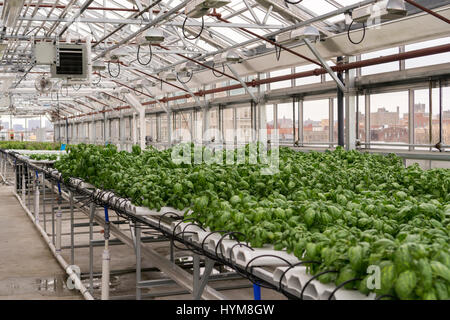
x=28, y=270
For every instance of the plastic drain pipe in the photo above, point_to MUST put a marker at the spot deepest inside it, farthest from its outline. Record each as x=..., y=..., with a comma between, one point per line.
x=105, y=260
x=36, y=198
x=67, y=268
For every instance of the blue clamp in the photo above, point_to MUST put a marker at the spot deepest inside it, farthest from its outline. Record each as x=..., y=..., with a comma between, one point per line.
x=106, y=214
x=256, y=292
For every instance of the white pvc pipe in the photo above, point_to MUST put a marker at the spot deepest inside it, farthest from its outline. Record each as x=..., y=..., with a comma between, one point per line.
x=58, y=230
x=67, y=268
x=105, y=272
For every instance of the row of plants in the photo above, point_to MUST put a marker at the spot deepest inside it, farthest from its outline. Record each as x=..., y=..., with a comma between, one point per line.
x=346, y=210
x=29, y=145
x=43, y=156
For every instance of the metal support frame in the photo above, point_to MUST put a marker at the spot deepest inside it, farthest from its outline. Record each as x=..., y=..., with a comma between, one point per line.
x=411, y=122
x=350, y=108
x=91, y=247
x=331, y=120
x=300, y=121
x=325, y=65
x=242, y=82
x=137, y=232
x=367, y=118
x=201, y=282
x=72, y=236
x=340, y=106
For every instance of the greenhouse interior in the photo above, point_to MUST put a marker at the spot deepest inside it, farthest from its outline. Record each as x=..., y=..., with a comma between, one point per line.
x=225, y=150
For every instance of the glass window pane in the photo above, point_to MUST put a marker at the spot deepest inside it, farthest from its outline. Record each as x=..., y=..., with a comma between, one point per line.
x=285, y=122
x=315, y=121
x=270, y=125
x=389, y=117
x=361, y=119
x=244, y=125
x=228, y=125
x=446, y=114
x=385, y=67
x=280, y=84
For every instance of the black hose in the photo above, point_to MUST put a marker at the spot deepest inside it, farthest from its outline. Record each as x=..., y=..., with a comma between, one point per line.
x=342, y=285
x=313, y=278
x=191, y=74
x=363, y=36
x=118, y=70
x=214, y=73
x=198, y=35
x=139, y=58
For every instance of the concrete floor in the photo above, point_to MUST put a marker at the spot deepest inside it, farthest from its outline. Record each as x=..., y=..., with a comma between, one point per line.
x=28, y=270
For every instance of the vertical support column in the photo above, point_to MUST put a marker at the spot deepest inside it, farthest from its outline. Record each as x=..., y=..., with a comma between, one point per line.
x=350, y=108
x=134, y=128
x=142, y=128
x=53, y=211
x=196, y=273
x=401, y=63
x=67, y=131
x=262, y=125
x=367, y=119
x=93, y=134
x=121, y=131
x=44, y=212
x=411, y=121
x=331, y=121
x=137, y=232
x=441, y=114
x=340, y=106
x=169, y=127
x=300, y=122
x=104, y=129
x=430, y=118
x=30, y=186
x=23, y=184
x=36, y=199
x=235, y=127
x=105, y=260
x=91, y=247
x=72, y=235
x=58, y=222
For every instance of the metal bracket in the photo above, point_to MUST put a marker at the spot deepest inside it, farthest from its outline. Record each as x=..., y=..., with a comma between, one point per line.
x=201, y=282
x=255, y=99
x=325, y=65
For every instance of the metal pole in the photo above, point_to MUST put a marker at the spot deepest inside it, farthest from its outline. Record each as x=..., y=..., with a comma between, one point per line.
x=430, y=117
x=59, y=222
x=105, y=260
x=23, y=184
x=440, y=112
x=340, y=106
x=72, y=236
x=43, y=202
x=137, y=231
x=36, y=199
x=53, y=212
x=91, y=248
